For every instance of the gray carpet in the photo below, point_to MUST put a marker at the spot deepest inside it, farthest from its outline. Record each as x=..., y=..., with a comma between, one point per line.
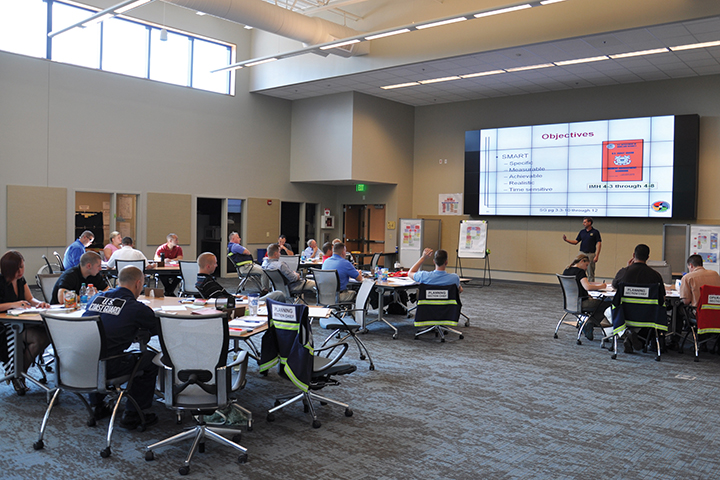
x=507, y=402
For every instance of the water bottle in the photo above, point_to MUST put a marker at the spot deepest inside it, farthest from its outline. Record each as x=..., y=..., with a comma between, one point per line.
x=92, y=291
x=83, y=296
x=162, y=259
x=253, y=299
x=302, y=257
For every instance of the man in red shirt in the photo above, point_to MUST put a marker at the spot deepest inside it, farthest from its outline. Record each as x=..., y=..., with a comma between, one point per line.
x=169, y=251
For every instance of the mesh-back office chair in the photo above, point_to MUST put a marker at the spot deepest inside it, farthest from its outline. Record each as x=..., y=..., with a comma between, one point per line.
x=292, y=261
x=326, y=286
x=196, y=377
x=374, y=261
x=49, y=267
x=79, y=345
x=438, y=310
x=704, y=319
x=279, y=284
x=639, y=306
x=572, y=305
x=47, y=282
x=244, y=267
x=59, y=261
x=120, y=264
x=288, y=342
x=188, y=273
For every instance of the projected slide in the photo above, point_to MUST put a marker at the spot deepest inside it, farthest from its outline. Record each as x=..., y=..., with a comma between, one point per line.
x=621, y=167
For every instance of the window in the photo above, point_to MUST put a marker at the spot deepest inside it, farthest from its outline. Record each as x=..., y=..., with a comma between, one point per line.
x=119, y=45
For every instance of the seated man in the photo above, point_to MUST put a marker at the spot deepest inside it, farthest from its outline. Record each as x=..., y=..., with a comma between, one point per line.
x=285, y=248
x=122, y=317
x=210, y=288
x=295, y=282
x=88, y=272
x=77, y=248
x=327, y=250
x=696, y=278
x=435, y=277
x=169, y=251
x=127, y=252
x=234, y=252
x=312, y=251
x=345, y=271
x=637, y=272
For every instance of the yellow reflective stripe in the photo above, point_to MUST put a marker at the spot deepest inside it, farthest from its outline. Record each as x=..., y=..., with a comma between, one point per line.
x=633, y=323
x=619, y=330
x=708, y=306
x=286, y=325
x=437, y=302
x=302, y=386
x=270, y=364
x=708, y=330
x=641, y=301
x=430, y=323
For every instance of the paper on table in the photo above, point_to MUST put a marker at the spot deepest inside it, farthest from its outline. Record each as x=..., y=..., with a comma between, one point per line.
x=400, y=281
x=20, y=311
x=262, y=311
x=173, y=308
x=318, y=312
x=247, y=322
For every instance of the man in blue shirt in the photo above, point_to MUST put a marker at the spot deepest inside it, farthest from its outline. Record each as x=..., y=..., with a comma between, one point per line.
x=312, y=251
x=345, y=271
x=77, y=248
x=438, y=276
x=590, y=244
x=235, y=250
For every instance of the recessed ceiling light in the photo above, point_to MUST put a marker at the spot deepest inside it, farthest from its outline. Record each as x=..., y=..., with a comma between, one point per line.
x=502, y=10
x=582, y=60
x=696, y=45
x=400, y=85
x=442, y=22
x=639, y=53
x=438, y=80
x=530, y=67
x=482, y=74
x=339, y=44
x=388, y=34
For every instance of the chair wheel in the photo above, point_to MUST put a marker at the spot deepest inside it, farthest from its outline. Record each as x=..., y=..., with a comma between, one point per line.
x=149, y=456
x=348, y=412
x=323, y=403
x=250, y=427
x=657, y=359
x=184, y=470
x=21, y=392
x=91, y=422
x=613, y=356
x=555, y=336
x=417, y=338
x=579, y=342
x=462, y=336
x=442, y=340
x=38, y=445
x=362, y=357
x=105, y=453
x=316, y=424
x=372, y=367
x=270, y=417
x=43, y=380
x=236, y=438
x=49, y=369
x=243, y=458
x=394, y=338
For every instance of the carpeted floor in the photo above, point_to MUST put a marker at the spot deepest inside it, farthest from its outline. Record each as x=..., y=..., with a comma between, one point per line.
x=506, y=402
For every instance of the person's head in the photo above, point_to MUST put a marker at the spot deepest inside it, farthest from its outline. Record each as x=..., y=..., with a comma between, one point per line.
x=582, y=261
x=207, y=263
x=172, y=240
x=642, y=253
x=694, y=261
x=281, y=240
x=587, y=222
x=87, y=237
x=312, y=243
x=440, y=258
x=234, y=237
x=273, y=251
x=336, y=240
x=90, y=264
x=127, y=241
x=132, y=278
x=115, y=238
x=327, y=248
x=339, y=249
x=12, y=265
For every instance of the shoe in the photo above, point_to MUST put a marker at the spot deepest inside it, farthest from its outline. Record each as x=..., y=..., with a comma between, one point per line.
x=588, y=331
x=636, y=342
x=19, y=385
x=102, y=411
x=627, y=343
x=131, y=420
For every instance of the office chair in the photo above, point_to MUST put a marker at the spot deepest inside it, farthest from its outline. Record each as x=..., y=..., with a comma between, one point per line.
x=279, y=284
x=340, y=320
x=47, y=282
x=572, y=305
x=48, y=267
x=120, y=264
x=288, y=342
x=703, y=319
x=189, y=272
x=244, y=265
x=374, y=261
x=79, y=345
x=59, y=261
x=196, y=377
x=292, y=261
x=438, y=309
x=639, y=306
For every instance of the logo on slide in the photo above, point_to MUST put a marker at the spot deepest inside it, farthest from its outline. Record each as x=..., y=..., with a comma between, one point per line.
x=661, y=206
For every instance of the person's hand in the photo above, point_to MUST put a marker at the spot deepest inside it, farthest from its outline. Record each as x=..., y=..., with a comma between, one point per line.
x=630, y=262
x=602, y=285
x=150, y=266
x=43, y=305
x=427, y=253
x=20, y=304
x=596, y=259
x=565, y=237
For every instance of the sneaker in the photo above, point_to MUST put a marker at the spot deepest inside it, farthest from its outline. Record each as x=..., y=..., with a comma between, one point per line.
x=131, y=420
x=102, y=411
x=588, y=331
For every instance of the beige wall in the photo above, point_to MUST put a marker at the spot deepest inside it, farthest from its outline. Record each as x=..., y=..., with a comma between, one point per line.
x=534, y=245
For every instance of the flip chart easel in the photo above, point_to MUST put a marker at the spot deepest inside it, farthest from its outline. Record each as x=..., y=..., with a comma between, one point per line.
x=472, y=243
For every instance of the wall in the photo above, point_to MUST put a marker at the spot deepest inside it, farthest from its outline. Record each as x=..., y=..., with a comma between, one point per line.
x=532, y=248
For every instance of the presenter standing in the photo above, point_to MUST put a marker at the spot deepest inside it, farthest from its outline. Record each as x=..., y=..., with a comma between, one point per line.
x=590, y=244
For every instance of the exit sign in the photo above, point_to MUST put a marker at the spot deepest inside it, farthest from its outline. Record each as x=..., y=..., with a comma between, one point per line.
x=360, y=187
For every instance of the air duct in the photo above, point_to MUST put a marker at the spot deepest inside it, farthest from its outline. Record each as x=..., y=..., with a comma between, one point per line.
x=280, y=21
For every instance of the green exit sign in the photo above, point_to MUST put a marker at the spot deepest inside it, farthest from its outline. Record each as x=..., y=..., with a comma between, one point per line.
x=360, y=187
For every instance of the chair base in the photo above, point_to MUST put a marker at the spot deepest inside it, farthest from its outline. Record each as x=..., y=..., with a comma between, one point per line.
x=306, y=397
x=440, y=330
x=199, y=434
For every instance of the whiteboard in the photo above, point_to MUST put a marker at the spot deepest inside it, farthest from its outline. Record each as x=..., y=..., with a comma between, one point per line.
x=473, y=239
x=704, y=242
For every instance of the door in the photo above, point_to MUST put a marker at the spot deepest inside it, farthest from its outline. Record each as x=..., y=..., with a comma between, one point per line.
x=209, y=212
x=364, y=229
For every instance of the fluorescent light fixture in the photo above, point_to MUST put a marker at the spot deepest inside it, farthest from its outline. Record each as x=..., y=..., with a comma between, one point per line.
x=582, y=60
x=502, y=10
x=696, y=45
x=248, y=27
x=639, y=53
x=260, y=62
x=529, y=67
x=202, y=14
x=99, y=19
x=400, y=85
x=340, y=44
x=388, y=34
x=438, y=80
x=482, y=74
x=441, y=22
x=548, y=2
x=130, y=6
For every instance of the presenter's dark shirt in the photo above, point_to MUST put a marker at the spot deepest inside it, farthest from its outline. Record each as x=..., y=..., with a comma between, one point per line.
x=588, y=240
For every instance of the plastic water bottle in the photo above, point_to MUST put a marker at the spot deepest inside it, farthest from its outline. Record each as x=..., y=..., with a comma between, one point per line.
x=302, y=257
x=91, y=292
x=83, y=296
x=253, y=304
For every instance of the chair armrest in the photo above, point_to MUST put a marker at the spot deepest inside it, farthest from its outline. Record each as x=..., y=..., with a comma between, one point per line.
x=242, y=359
x=343, y=348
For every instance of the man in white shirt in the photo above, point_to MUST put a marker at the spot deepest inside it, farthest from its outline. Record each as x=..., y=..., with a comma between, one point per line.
x=127, y=252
